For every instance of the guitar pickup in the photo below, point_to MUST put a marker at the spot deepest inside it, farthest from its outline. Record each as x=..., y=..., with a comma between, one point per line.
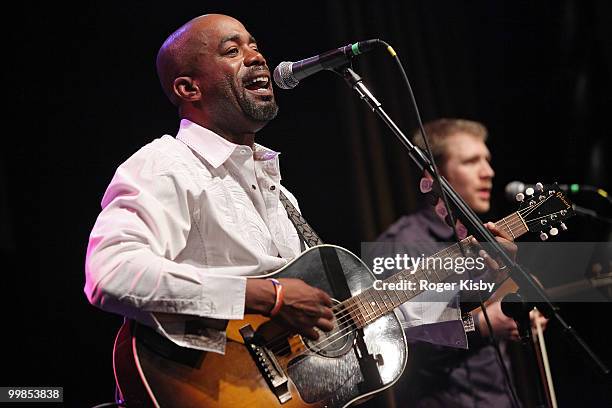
x=267, y=364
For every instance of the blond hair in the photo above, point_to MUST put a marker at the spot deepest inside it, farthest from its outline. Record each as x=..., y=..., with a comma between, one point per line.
x=440, y=130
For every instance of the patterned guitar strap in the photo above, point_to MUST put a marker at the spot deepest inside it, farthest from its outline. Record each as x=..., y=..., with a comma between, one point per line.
x=304, y=230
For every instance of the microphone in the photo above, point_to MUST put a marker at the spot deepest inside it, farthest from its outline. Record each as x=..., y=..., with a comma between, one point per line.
x=515, y=187
x=288, y=74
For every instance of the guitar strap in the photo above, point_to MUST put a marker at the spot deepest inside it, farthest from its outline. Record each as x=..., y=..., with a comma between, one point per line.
x=340, y=290
x=329, y=257
x=304, y=230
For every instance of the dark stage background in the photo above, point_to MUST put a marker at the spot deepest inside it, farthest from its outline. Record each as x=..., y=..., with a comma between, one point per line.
x=83, y=96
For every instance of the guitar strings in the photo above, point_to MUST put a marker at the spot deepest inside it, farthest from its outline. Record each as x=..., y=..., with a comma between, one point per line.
x=358, y=301
x=453, y=250
x=545, y=216
x=345, y=316
x=345, y=308
x=529, y=210
x=375, y=315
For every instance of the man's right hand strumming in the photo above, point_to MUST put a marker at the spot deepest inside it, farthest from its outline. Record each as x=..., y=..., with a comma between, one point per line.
x=303, y=308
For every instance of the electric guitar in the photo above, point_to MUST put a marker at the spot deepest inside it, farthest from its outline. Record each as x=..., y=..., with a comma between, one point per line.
x=265, y=366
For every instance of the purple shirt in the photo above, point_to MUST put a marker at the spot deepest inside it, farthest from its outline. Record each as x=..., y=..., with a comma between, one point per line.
x=438, y=376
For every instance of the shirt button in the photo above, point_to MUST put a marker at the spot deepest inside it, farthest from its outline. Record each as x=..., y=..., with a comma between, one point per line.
x=253, y=185
x=272, y=188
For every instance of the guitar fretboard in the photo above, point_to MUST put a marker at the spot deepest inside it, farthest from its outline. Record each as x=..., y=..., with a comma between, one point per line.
x=373, y=303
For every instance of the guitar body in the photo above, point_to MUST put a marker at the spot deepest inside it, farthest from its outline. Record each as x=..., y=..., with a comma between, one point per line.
x=343, y=366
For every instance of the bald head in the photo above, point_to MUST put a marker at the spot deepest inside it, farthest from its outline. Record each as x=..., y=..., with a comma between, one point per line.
x=179, y=54
x=212, y=70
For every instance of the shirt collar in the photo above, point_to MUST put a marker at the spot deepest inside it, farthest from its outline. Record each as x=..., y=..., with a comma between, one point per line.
x=213, y=148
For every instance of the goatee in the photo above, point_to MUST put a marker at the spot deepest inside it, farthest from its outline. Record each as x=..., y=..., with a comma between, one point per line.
x=261, y=111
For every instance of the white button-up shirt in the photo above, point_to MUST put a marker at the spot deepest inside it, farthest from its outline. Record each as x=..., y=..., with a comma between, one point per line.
x=183, y=222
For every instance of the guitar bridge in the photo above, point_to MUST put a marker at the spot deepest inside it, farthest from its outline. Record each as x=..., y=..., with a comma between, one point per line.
x=267, y=364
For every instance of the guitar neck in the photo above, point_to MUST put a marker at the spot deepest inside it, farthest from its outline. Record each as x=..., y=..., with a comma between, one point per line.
x=372, y=303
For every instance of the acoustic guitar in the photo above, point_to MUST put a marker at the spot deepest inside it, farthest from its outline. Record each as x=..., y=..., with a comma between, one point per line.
x=265, y=366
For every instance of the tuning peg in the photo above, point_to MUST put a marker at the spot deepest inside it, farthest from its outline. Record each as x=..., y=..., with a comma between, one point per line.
x=563, y=226
x=543, y=236
x=553, y=231
x=520, y=197
x=529, y=191
x=539, y=186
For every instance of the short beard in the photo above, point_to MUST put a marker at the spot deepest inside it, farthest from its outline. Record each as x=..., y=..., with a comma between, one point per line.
x=258, y=111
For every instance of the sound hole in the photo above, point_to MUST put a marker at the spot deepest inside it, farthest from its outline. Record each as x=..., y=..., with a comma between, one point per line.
x=336, y=342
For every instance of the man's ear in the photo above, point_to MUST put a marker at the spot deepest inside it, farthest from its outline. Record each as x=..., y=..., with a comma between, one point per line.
x=187, y=89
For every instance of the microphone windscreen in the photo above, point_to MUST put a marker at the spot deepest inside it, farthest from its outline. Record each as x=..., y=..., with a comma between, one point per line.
x=283, y=76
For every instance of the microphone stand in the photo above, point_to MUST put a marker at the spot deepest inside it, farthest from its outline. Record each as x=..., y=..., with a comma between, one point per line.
x=530, y=288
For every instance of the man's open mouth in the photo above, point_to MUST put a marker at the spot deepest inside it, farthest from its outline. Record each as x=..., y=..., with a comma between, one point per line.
x=484, y=192
x=260, y=83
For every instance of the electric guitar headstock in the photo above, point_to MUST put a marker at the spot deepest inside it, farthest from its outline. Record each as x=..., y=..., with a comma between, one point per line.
x=544, y=210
